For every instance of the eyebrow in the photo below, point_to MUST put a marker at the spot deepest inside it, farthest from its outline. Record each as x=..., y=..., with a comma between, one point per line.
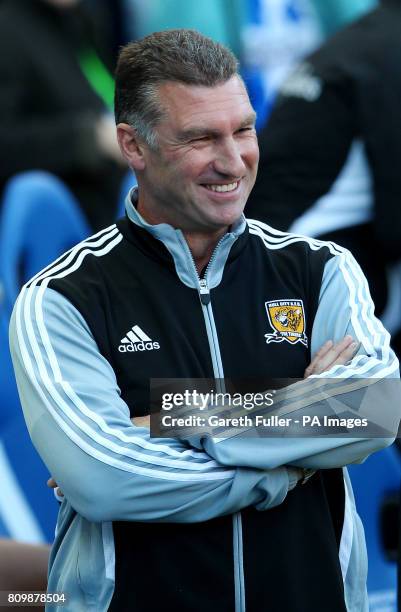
x=250, y=120
x=200, y=131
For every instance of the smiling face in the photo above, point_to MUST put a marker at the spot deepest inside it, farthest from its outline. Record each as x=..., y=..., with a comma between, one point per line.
x=204, y=168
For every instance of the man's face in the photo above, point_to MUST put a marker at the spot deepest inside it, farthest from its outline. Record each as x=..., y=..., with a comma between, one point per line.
x=200, y=177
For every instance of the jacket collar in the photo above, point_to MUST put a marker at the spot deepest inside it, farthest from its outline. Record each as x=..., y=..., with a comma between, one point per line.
x=174, y=241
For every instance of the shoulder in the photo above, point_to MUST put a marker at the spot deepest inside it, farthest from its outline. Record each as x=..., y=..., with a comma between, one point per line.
x=83, y=273
x=286, y=243
x=83, y=261
x=73, y=291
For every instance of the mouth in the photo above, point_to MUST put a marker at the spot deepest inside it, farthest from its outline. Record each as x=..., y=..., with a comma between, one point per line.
x=223, y=190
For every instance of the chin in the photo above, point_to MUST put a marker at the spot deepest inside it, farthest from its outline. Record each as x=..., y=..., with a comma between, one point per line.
x=225, y=222
x=231, y=216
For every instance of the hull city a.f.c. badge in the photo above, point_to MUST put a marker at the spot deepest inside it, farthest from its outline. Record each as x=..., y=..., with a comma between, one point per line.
x=287, y=319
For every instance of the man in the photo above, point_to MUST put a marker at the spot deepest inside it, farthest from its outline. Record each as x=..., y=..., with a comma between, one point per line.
x=184, y=288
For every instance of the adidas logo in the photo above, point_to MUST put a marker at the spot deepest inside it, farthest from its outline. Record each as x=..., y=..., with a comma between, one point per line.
x=137, y=340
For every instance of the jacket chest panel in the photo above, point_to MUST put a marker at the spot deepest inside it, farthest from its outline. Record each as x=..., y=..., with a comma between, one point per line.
x=150, y=325
x=264, y=327
x=156, y=334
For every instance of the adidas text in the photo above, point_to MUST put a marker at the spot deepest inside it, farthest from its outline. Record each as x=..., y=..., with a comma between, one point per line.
x=138, y=346
x=137, y=340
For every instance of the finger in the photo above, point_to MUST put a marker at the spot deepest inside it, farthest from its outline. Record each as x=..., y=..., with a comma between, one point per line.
x=322, y=351
x=346, y=355
x=51, y=483
x=319, y=355
x=323, y=363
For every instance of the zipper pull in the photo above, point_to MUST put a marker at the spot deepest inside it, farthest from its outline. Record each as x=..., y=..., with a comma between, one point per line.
x=204, y=293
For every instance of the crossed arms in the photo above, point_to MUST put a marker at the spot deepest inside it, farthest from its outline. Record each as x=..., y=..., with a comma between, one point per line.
x=112, y=470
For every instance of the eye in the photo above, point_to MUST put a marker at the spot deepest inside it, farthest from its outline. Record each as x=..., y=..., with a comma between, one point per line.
x=249, y=128
x=200, y=139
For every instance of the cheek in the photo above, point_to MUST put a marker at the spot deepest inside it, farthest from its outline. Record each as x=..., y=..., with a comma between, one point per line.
x=193, y=167
x=252, y=153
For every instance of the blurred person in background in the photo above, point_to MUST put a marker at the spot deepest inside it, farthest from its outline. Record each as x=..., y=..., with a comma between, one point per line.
x=336, y=14
x=275, y=36
x=110, y=22
x=331, y=152
x=55, y=102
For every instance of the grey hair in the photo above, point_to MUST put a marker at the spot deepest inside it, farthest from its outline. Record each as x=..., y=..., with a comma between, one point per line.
x=145, y=118
x=183, y=56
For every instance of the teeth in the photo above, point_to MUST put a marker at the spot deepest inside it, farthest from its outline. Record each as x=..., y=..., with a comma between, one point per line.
x=229, y=187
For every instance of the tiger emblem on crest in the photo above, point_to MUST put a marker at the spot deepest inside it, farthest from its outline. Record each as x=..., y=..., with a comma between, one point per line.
x=287, y=319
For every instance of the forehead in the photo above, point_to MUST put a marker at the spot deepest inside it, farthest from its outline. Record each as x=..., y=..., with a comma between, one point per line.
x=189, y=106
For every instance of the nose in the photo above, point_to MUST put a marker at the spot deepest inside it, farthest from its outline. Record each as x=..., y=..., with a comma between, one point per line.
x=229, y=159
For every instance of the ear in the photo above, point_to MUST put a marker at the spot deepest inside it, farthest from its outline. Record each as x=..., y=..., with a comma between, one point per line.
x=131, y=148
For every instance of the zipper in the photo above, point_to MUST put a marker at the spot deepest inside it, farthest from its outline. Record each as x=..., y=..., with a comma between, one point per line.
x=205, y=300
x=203, y=290
x=238, y=563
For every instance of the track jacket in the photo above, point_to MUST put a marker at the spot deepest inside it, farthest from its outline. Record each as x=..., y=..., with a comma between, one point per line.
x=151, y=523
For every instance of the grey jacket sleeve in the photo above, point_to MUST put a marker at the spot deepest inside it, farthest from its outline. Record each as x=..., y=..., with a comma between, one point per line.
x=345, y=307
x=107, y=468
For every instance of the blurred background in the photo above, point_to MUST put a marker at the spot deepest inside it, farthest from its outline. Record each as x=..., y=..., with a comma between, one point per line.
x=325, y=79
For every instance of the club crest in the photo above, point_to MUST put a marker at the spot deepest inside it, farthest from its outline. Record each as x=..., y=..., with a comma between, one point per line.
x=287, y=319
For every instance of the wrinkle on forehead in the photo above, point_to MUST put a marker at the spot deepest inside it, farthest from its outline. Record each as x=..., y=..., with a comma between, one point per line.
x=192, y=105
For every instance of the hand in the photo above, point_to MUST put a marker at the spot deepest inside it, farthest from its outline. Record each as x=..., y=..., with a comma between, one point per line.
x=143, y=421
x=328, y=355
x=331, y=354
x=52, y=484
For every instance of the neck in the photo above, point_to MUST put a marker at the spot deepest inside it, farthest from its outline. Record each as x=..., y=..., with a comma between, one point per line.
x=202, y=246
